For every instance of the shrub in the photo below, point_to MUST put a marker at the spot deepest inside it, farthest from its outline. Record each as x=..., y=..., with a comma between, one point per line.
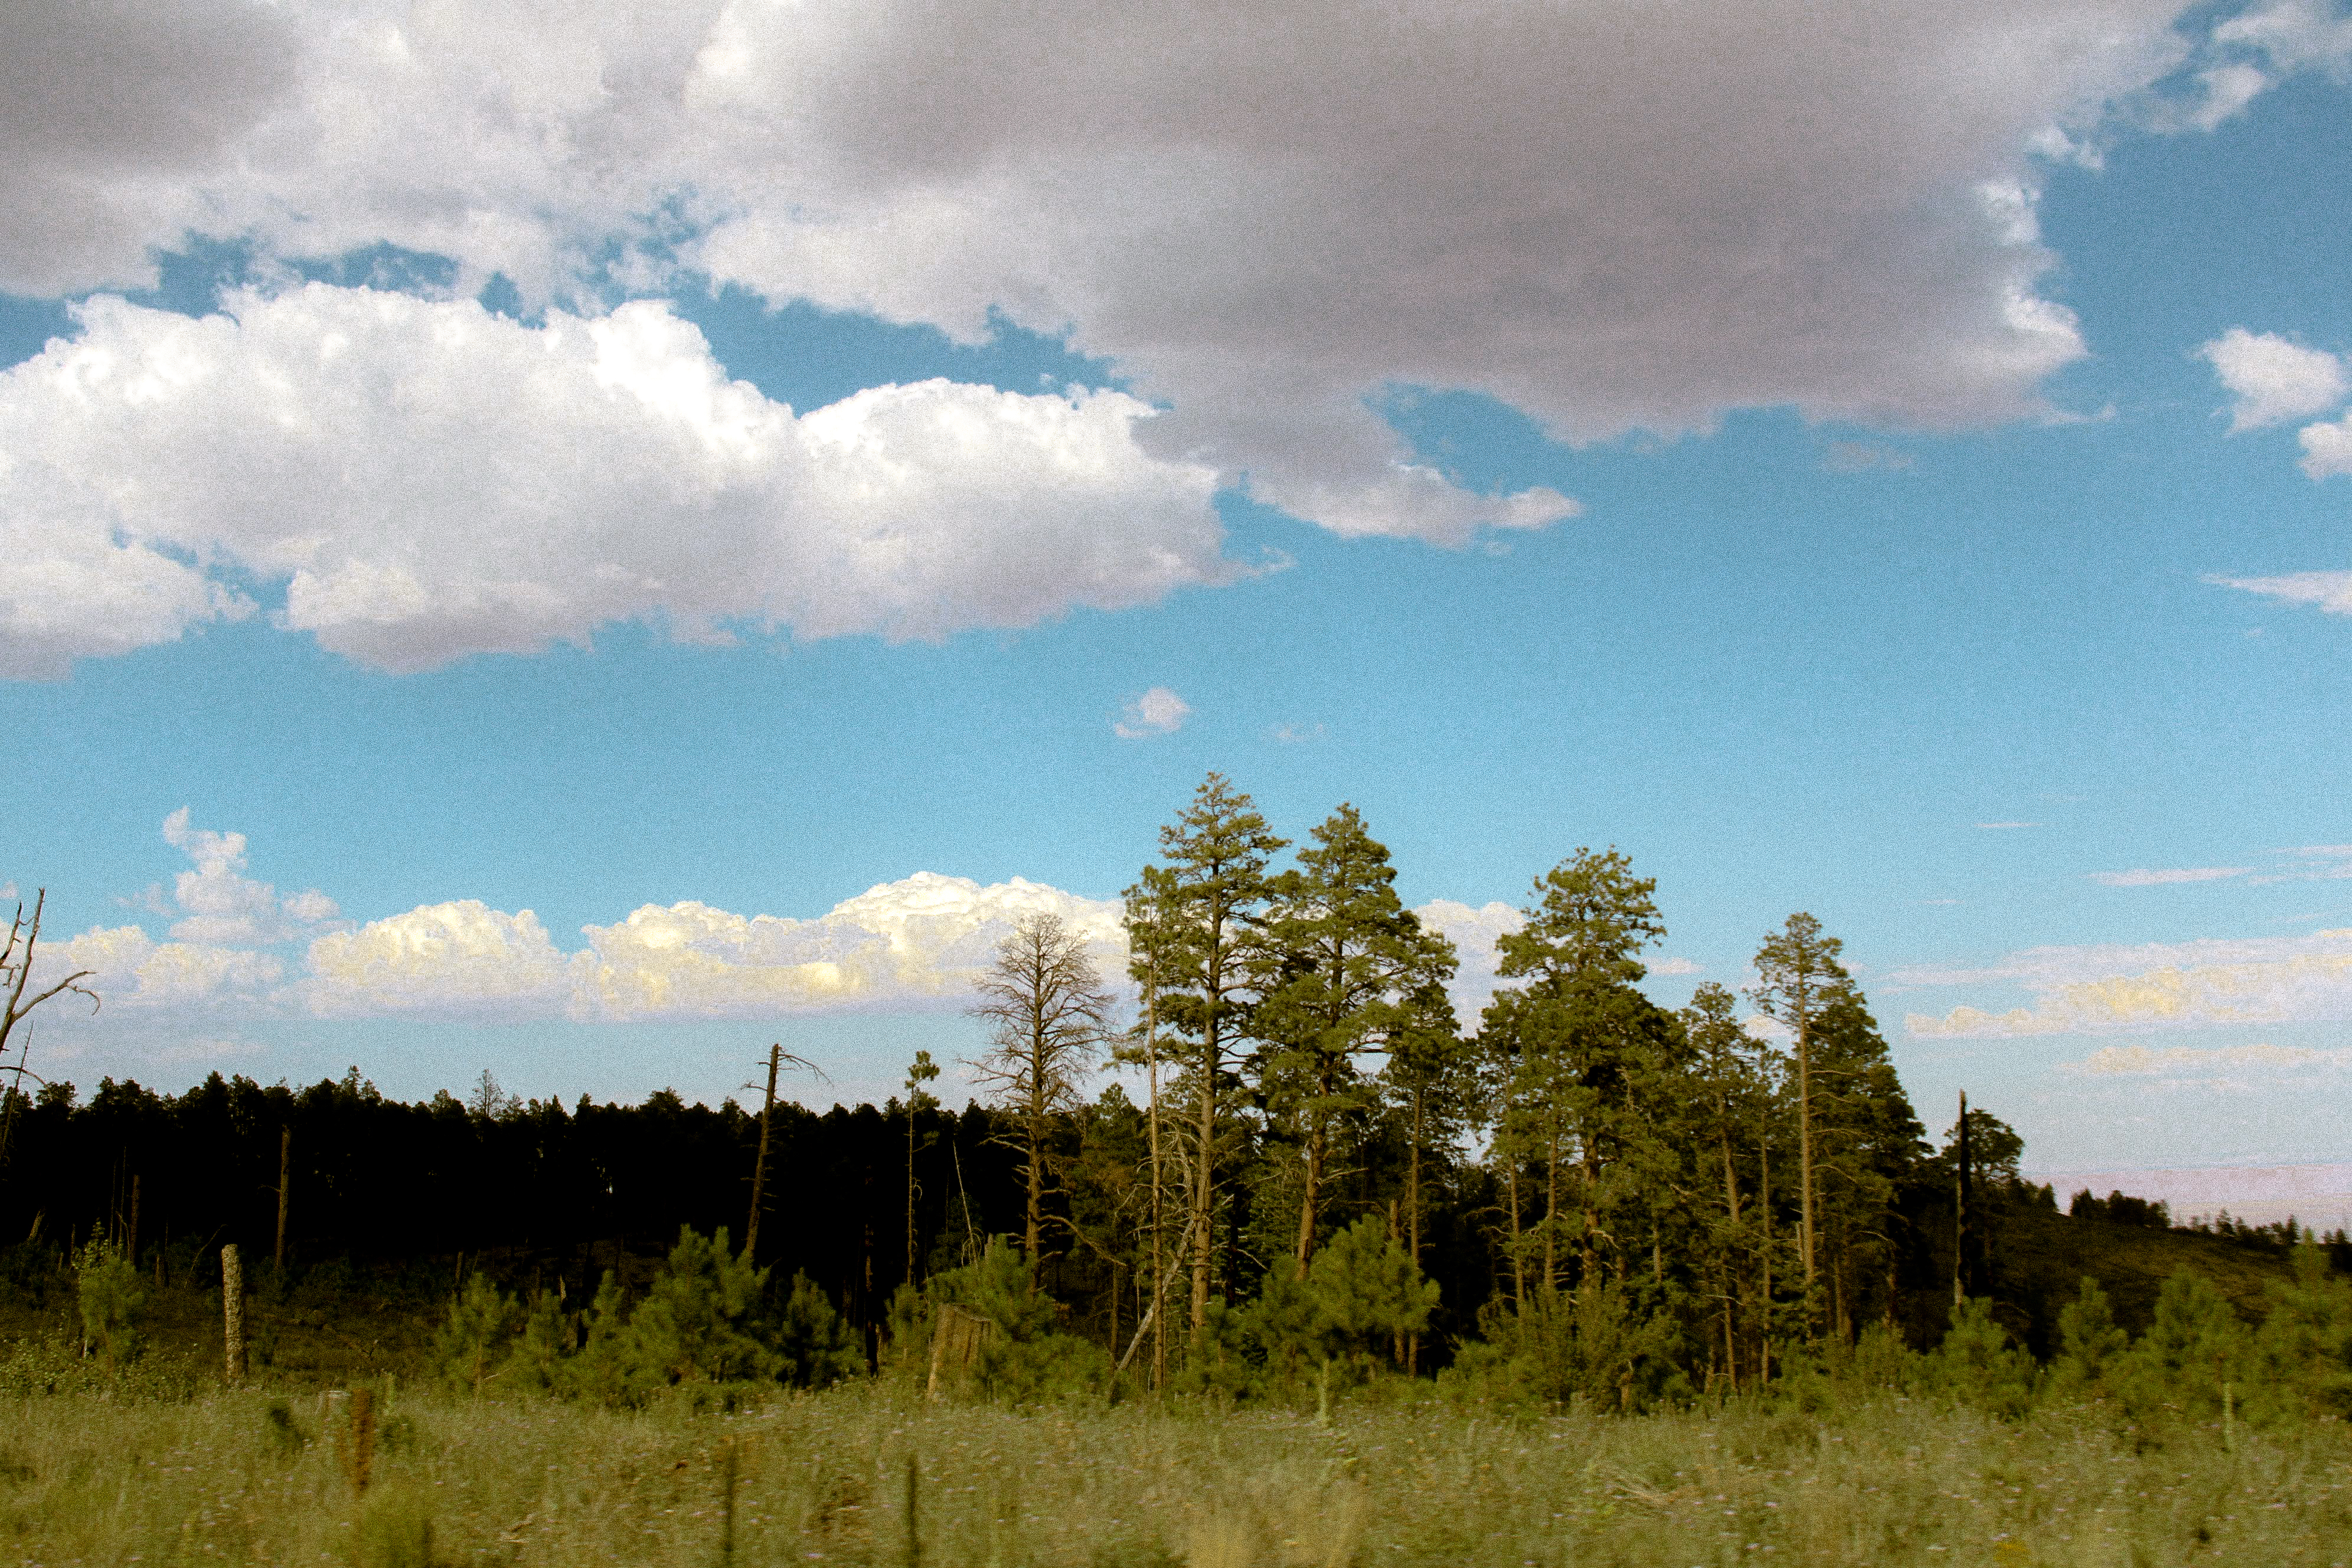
x=1022, y=1356
x=2193, y=1356
x=111, y=1301
x=1365, y=1292
x=474, y=1336
x=1588, y=1345
x=817, y=1346
x=537, y=1361
x=1976, y=1365
x=697, y=1325
x=2090, y=1346
x=2303, y=1355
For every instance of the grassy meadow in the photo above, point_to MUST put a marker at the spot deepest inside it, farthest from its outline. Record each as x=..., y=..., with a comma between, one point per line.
x=93, y=1474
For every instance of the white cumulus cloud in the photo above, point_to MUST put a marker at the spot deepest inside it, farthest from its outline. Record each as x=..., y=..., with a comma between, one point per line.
x=224, y=906
x=1473, y=931
x=430, y=481
x=1159, y=711
x=1611, y=216
x=2326, y=447
x=461, y=957
x=916, y=942
x=131, y=969
x=2272, y=379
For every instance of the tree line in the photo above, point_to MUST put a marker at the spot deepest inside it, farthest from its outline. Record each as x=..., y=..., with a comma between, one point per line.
x=1613, y=1198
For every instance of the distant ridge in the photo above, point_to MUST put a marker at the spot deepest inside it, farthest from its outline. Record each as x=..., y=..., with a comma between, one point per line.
x=2319, y=1195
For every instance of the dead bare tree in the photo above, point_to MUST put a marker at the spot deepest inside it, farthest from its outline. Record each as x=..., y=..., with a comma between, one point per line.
x=16, y=975
x=777, y=1058
x=1051, y=1016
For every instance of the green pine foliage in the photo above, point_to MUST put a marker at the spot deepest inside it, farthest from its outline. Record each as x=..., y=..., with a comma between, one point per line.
x=2303, y=1355
x=819, y=1349
x=111, y=1300
x=2191, y=1361
x=473, y=1342
x=2091, y=1347
x=1977, y=1364
x=541, y=1351
x=698, y=1326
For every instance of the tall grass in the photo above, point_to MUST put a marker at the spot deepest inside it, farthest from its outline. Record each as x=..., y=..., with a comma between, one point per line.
x=91, y=1477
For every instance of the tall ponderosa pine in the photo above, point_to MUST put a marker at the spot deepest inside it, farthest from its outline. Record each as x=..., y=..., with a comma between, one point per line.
x=1432, y=1081
x=1340, y=956
x=922, y=1071
x=1149, y=963
x=1867, y=1143
x=1211, y=898
x=1050, y=1016
x=1796, y=966
x=1565, y=1041
x=1731, y=1113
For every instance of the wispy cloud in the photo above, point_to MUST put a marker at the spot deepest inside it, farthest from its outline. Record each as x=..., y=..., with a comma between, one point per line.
x=1863, y=456
x=1296, y=734
x=1159, y=711
x=2304, y=863
x=2189, y=1061
x=2331, y=591
x=2158, y=878
x=2266, y=980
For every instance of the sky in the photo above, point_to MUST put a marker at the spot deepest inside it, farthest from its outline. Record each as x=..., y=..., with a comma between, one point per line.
x=578, y=541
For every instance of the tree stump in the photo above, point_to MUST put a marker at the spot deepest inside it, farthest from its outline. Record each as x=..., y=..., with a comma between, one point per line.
x=956, y=1340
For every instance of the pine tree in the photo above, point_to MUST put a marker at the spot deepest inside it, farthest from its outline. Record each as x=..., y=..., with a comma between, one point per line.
x=1341, y=955
x=1151, y=962
x=1867, y=1143
x=1730, y=1112
x=1432, y=1081
x=1562, y=1042
x=921, y=1071
x=1211, y=901
x=1795, y=966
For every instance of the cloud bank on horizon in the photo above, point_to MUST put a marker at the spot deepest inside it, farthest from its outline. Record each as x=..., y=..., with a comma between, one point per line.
x=2157, y=986
x=235, y=947
x=1265, y=221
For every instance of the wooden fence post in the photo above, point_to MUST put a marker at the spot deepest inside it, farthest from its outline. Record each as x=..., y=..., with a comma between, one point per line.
x=233, y=1312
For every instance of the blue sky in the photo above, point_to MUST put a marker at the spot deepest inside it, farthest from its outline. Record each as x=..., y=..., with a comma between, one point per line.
x=580, y=550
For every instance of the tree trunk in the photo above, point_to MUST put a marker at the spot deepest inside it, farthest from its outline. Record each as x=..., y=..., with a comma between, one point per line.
x=1309, y=1201
x=1396, y=1342
x=131, y=1242
x=759, y=1165
x=285, y=1170
x=1805, y=1160
x=1551, y=1209
x=1412, y=1221
x=1519, y=1250
x=1204, y=1240
x=1764, y=1305
x=913, y=1097
x=1961, y=1271
x=1730, y=1247
x=233, y=1314
x=1158, y=1262
x=1032, y=1236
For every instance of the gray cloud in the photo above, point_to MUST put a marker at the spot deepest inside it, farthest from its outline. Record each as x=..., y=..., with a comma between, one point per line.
x=1613, y=217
